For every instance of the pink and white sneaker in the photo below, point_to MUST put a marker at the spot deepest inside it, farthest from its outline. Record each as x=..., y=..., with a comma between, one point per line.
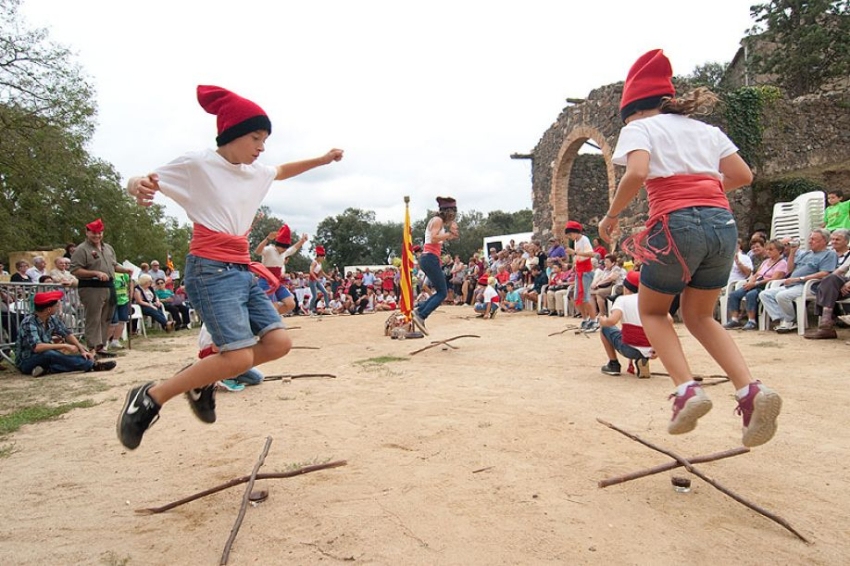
x=759, y=409
x=687, y=409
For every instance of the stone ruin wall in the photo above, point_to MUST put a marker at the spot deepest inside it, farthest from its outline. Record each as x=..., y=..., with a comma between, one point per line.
x=799, y=135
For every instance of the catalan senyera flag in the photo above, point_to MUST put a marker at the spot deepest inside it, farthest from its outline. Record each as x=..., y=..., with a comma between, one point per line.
x=406, y=299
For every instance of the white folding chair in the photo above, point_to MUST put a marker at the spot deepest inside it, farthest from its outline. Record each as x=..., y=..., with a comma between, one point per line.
x=723, y=299
x=801, y=303
x=136, y=315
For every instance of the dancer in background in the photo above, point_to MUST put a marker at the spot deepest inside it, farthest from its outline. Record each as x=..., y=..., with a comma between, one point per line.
x=441, y=227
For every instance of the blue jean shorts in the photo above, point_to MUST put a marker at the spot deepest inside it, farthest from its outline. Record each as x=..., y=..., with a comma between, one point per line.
x=706, y=238
x=233, y=307
x=121, y=313
x=280, y=294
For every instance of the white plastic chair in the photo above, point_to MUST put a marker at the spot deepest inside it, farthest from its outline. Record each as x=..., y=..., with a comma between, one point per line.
x=724, y=299
x=801, y=303
x=136, y=314
x=764, y=320
x=797, y=219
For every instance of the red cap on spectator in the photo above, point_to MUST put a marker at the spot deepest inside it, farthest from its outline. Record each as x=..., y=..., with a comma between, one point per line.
x=320, y=251
x=47, y=297
x=573, y=226
x=96, y=226
x=632, y=281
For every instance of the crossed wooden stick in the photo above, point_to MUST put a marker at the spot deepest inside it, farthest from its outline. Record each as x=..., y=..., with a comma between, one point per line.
x=688, y=465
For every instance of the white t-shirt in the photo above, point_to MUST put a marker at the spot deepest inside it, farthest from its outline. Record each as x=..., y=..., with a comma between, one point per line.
x=628, y=305
x=490, y=295
x=271, y=257
x=678, y=145
x=583, y=245
x=736, y=274
x=214, y=192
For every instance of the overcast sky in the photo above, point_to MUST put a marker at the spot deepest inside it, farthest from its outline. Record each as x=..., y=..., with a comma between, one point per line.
x=426, y=99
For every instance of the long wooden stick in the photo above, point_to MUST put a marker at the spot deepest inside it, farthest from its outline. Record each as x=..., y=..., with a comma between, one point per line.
x=237, y=481
x=245, y=500
x=773, y=517
x=442, y=342
x=278, y=377
x=672, y=466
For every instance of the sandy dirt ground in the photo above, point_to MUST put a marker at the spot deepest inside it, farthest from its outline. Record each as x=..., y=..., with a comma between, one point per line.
x=485, y=454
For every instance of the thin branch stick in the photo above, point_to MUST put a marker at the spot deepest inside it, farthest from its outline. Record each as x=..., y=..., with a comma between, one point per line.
x=775, y=518
x=672, y=466
x=237, y=481
x=440, y=342
x=278, y=377
x=305, y=347
x=246, y=498
x=567, y=329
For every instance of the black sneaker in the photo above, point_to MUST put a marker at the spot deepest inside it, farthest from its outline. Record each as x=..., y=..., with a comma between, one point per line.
x=202, y=402
x=612, y=368
x=103, y=366
x=138, y=415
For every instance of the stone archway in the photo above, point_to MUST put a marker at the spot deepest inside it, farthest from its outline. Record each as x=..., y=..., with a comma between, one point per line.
x=597, y=196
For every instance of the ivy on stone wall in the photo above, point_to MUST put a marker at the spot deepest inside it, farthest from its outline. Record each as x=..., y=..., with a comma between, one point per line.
x=743, y=113
x=786, y=190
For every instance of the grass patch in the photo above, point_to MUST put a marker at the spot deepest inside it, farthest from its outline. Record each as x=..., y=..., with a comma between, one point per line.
x=37, y=413
x=381, y=360
x=8, y=450
x=23, y=391
x=298, y=465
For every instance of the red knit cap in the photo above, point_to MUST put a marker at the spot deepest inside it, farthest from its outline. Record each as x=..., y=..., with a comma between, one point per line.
x=573, y=226
x=632, y=281
x=483, y=279
x=235, y=116
x=320, y=251
x=446, y=202
x=648, y=81
x=284, y=237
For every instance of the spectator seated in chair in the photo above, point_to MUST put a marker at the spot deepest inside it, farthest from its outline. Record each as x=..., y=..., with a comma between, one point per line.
x=539, y=280
x=773, y=268
x=832, y=288
x=814, y=264
x=558, y=287
x=631, y=341
x=45, y=345
x=173, y=304
x=146, y=298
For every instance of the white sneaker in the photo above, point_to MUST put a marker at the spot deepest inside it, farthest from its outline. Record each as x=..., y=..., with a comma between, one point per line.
x=786, y=326
x=115, y=345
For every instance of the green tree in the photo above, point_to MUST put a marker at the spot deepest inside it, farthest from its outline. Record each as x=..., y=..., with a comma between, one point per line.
x=345, y=238
x=805, y=42
x=50, y=186
x=709, y=75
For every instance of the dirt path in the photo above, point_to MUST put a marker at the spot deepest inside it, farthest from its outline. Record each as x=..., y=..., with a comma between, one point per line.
x=488, y=454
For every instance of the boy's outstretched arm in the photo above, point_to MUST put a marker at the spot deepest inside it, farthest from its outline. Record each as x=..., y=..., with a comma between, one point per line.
x=295, y=168
x=143, y=188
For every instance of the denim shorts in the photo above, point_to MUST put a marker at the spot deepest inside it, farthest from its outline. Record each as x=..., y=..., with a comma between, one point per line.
x=121, y=313
x=233, y=307
x=280, y=294
x=586, y=282
x=706, y=238
x=615, y=337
